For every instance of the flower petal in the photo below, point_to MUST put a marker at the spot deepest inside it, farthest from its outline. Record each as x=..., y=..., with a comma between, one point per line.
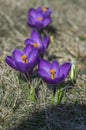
x=29, y=41
x=11, y=62
x=44, y=74
x=46, y=42
x=44, y=65
x=17, y=54
x=23, y=67
x=64, y=69
x=28, y=49
x=36, y=36
x=33, y=57
x=39, y=8
x=45, y=13
x=39, y=25
x=58, y=80
x=32, y=12
x=55, y=66
x=47, y=21
x=31, y=21
x=41, y=50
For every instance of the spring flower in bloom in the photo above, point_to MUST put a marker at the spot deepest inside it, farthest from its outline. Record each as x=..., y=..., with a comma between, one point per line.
x=52, y=73
x=46, y=11
x=37, y=19
x=37, y=42
x=23, y=61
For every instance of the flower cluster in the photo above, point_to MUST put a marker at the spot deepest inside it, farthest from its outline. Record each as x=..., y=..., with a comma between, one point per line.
x=35, y=47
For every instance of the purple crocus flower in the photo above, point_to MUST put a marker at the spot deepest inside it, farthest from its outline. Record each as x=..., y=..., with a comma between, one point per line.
x=37, y=42
x=37, y=19
x=46, y=11
x=23, y=61
x=52, y=73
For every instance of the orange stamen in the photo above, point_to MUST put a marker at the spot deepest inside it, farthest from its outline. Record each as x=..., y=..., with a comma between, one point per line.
x=36, y=45
x=44, y=9
x=24, y=58
x=40, y=18
x=53, y=73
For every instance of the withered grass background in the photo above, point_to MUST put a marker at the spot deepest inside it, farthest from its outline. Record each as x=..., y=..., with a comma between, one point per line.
x=68, y=43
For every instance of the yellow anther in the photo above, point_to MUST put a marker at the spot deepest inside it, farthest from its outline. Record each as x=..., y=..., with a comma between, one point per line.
x=40, y=18
x=44, y=9
x=53, y=73
x=36, y=45
x=24, y=58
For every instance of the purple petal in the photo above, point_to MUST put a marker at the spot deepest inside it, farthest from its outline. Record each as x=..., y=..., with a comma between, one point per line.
x=28, y=49
x=64, y=69
x=39, y=8
x=47, y=13
x=44, y=65
x=32, y=12
x=22, y=67
x=39, y=14
x=55, y=66
x=17, y=54
x=46, y=41
x=41, y=50
x=29, y=41
x=36, y=37
x=47, y=21
x=33, y=57
x=44, y=74
x=58, y=80
x=31, y=21
x=38, y=25
x=11, y=62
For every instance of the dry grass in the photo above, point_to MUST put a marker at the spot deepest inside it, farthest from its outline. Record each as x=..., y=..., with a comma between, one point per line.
x=69, y=44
